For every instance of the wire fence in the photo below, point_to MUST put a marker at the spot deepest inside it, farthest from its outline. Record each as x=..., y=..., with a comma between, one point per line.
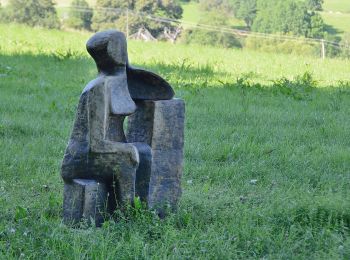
x=222, y=29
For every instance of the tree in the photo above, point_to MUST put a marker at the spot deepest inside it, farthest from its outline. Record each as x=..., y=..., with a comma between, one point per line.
x=287, y=17
x=215, y=5
x=213, y=38
x=33, y=12
x=105, y=17
x=80, y=15
x=315, y=5
x=317, y=26
x=245, y=10
x=132, y=14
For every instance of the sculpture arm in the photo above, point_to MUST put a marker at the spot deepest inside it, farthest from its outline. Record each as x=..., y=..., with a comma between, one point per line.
x=99, y=116
x=110, y=147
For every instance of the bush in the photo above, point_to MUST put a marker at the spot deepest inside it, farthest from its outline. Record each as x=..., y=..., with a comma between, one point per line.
x=113, y=14
x=79, y=19
x=213, y=38
x=287, y=17
x=33, y=13
x=210, y=38
x=282, y=46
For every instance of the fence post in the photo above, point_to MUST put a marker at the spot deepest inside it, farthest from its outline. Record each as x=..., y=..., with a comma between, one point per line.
x=323, y=49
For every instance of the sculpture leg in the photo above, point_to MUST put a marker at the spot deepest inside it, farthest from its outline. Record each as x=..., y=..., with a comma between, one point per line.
x=84, y=199
x=143, y=173
x=116, y=171
x=125, y=179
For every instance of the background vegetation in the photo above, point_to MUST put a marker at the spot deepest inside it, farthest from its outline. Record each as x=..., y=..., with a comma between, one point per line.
x=266, y=155
x=292, y=18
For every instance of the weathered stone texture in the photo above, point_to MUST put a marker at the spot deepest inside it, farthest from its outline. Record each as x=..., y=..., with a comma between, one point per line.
x=102, y=168
x=84, y=199
x=165, y=135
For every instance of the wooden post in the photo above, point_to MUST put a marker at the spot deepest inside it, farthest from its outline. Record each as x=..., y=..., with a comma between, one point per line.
x=323, y=49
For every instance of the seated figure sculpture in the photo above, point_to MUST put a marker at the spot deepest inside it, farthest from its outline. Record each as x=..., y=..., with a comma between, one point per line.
x=103, y=167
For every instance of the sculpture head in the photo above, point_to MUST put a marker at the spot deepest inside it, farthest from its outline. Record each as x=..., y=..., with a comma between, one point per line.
x=109, y=50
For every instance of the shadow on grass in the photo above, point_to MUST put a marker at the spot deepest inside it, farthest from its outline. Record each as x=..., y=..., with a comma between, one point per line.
x=333, y=31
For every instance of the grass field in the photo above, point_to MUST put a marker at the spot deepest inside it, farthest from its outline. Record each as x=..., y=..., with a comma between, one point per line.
x=342, y=6
x=339, y=21
x=244, y=122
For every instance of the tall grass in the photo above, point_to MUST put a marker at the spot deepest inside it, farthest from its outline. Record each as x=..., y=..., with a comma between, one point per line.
x=267, y=154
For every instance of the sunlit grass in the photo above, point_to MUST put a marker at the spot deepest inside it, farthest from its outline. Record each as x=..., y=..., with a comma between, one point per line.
x=337, y=6
x=267, y=154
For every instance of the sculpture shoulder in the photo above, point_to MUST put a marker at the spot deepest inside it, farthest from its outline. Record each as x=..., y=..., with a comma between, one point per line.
x=94, y=83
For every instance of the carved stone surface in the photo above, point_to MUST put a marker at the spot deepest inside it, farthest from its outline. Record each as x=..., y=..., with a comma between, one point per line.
x=84, y=199
x=160, y=124
x=100, y=160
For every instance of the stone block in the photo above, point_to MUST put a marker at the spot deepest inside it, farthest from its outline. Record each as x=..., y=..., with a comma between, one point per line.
x=140, y=124
x=168, y=125
x=161, y=125
x=165, y=182
x=84, y=199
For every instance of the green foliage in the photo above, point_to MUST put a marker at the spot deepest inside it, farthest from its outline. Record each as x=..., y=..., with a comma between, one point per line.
x=346, y=43
x=317, y=26
x=104, y=18
x=136, y=19
x=299, y=47
x=315, y=5
x=2, y=14
x=287, y=16
x=245, y=10
x=213, y=38
x=33, y=12
x=218, y=5
x=300, y=88
x=80, y=19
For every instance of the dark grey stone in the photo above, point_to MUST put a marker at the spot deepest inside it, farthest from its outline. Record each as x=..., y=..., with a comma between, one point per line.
x=168, y=128
x=165, y=183
x=161, y=125
x=101, y=168
x=146, y=85
x=140, y=124
x=84, y=199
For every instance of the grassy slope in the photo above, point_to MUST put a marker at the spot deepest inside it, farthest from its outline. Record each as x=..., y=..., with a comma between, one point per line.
x=297, y=150
x=337, y=6
x=337, y=14
x=339, y=21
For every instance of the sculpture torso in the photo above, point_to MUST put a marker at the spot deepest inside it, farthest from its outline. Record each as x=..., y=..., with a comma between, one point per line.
x=96, y=128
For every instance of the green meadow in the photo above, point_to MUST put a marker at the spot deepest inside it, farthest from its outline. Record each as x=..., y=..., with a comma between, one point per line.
x=342, y=6
x=267, y=153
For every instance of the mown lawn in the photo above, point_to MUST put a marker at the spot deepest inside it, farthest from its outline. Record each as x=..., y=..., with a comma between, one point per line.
x=267, y=153
x=337, y=6
x=339, y=21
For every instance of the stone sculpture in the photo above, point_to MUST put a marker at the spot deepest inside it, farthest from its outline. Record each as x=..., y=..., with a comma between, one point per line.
x=104, y=167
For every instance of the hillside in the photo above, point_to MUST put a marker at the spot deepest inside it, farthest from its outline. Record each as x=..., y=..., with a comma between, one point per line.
x=336, y=14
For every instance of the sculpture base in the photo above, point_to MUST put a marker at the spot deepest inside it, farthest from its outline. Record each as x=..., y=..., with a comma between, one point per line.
x=84, y=200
